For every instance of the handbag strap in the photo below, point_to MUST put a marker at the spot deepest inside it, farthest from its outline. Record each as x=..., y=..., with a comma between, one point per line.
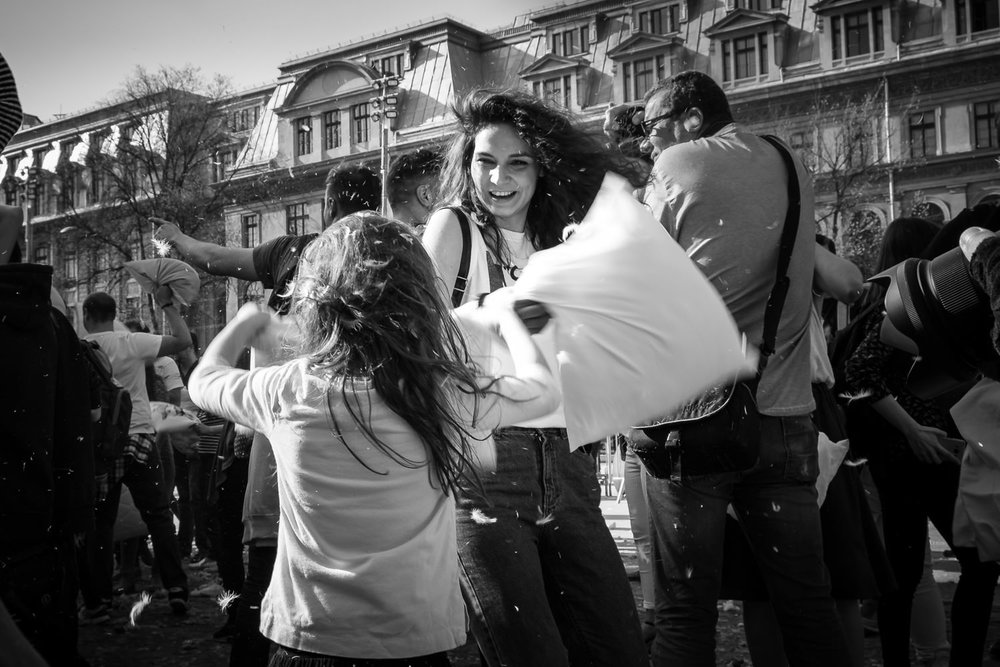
x=776, y=300
x=462, y=279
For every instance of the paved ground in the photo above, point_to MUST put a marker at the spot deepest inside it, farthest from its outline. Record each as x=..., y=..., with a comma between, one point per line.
x=160, y=639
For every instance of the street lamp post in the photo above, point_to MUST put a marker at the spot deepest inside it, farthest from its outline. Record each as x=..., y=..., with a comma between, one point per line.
x=384, y=111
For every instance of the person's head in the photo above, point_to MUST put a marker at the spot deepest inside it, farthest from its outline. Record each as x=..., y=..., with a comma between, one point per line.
x=368, y=306
x=523, y=164
x=412, y=179
x=99, y=310
x=684, y=107
x=349, y=190
x=905, y=238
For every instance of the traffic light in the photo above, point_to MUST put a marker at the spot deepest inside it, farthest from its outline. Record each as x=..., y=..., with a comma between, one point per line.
x=384, y=105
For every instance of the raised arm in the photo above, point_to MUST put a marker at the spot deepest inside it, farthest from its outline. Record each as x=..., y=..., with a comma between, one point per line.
x=209, y=257
x=181, y=336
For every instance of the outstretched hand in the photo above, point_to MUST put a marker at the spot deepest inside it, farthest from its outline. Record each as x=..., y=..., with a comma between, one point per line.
x=165, y=230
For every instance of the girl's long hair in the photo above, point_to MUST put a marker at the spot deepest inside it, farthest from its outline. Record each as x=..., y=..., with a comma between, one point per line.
x=369, y=309
x=904, y=239
x=572, y=162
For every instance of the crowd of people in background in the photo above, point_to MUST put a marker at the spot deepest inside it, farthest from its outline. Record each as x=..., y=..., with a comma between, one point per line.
x=370, y=495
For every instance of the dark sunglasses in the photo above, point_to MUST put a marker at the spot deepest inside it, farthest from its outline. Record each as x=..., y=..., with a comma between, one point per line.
x=647, y=125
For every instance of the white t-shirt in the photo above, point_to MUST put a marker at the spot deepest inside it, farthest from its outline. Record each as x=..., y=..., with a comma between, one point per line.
x=129, y=353
x=366, y=564
x=167, y=369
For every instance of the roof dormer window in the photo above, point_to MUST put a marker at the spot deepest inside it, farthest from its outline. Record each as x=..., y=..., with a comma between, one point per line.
x=570, y=42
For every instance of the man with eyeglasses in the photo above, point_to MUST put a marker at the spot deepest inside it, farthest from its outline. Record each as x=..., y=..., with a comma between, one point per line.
x=722, y=193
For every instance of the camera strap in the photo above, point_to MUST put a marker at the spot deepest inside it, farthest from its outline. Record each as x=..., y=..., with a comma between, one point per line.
x=776, y=300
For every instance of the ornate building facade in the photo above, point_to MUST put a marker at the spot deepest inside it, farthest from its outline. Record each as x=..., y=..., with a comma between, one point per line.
x=893, y=104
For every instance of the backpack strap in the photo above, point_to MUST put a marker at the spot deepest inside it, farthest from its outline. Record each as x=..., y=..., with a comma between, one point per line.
x=462, y=279
x=776, y=300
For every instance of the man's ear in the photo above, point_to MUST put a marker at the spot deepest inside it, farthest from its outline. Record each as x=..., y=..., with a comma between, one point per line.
x=425, y=195
x=694, y=121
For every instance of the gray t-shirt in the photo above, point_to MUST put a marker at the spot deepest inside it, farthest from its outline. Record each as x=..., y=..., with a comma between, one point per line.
x=724, y=199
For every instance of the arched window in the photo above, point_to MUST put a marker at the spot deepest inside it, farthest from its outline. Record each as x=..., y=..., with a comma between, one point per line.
x=930, y=211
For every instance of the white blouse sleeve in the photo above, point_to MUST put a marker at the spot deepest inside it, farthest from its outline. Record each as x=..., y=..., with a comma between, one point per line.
x=248, y=398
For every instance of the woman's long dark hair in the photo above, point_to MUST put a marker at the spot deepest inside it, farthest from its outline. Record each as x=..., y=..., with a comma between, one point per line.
x=368, y=307
x=904, y=239
x=571, y=161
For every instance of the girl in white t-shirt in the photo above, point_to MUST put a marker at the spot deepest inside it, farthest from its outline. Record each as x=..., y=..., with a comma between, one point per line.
x=374, y=423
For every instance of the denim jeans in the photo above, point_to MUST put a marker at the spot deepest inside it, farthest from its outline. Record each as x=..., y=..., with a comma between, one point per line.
x=145, y=482
x=911, y=493
x=776, y=503
x=542, y=579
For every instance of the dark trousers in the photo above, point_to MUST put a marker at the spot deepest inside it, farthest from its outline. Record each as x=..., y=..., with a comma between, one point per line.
x=250, y=647
x=182, y=505
x=145, y=482
x=229, y=518
x=776, y=505
x=911, y=493
x=199, y=474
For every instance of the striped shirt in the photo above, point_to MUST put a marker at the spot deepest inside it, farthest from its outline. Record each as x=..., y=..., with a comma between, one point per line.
x=10, y=104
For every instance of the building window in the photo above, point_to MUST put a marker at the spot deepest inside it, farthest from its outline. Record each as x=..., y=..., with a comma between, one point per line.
x=555, y=90
x=303, y=136
x=71, y=273
x=857, y=33
x=250, y=224
x=929, y=211
x=225, y=162
x=758, y=5
x=973, y=16
x=639, y=76
x=986, y=118
x=96, y=193
x=331, y=130
x=745, y=57
x=296, y=217
x=245, y=119
x=359, y=123
x=389, y=65
x=802, y=143
x=923, y=134
x=570, y=42
x=68, y=190
x=43, y=254
x=660, y=21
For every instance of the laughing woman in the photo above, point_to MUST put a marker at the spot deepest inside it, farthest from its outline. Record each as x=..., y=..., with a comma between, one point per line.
x=542, y=578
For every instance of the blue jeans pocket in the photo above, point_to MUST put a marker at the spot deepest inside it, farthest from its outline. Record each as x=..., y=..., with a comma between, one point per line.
x=800, y=442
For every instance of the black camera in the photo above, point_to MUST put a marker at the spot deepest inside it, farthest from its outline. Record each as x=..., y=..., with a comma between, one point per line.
x=936, y=311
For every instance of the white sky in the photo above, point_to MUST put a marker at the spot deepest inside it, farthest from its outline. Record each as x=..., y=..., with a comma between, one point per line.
x=69, y=55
